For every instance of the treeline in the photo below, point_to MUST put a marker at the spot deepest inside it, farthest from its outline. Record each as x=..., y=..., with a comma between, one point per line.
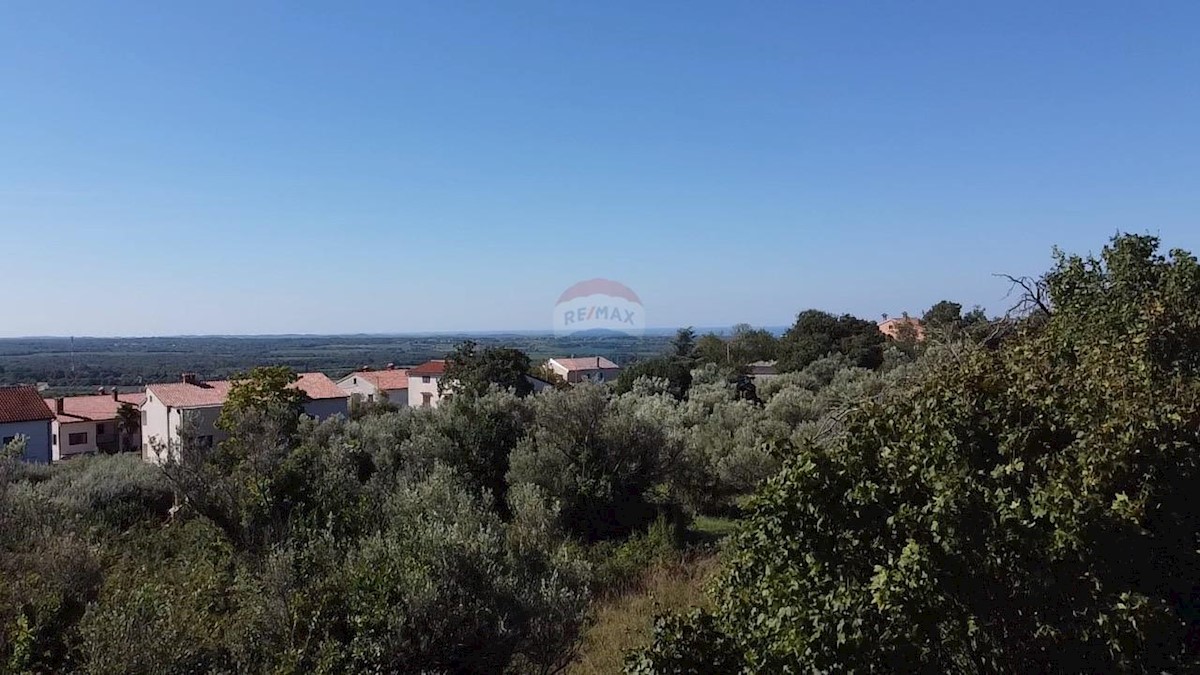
x=83, y=364
x=1010, y=495
x=468, y=538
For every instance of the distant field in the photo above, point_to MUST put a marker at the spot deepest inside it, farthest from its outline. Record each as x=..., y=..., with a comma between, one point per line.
x=86, y=363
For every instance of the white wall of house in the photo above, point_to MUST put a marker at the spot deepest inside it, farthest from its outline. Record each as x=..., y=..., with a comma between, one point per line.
x=419, y=387
x=37, y=439
x=589, y=375
x=64, y=432
x=353, y=384
x=155, y=427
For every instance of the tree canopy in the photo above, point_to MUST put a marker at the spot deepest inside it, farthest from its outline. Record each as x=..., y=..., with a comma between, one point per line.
x=1027, y=508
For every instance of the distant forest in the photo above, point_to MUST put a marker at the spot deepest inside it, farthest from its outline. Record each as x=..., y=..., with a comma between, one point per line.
x=83, y=364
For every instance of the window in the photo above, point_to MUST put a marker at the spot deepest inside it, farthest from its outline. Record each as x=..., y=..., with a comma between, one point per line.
x=99, y=429
x=8, y=439
x=426, y=399
x=425, y=379
x=77, y=439
x=205, y=441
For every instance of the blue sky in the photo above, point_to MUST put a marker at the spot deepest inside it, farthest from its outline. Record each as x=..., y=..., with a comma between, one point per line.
x=231, y=167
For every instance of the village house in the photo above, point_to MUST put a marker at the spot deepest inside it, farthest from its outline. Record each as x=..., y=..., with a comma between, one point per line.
x=371, y=386
x=23, y=414
x=84, y=425
x=423, y=384
x=195, y=403
x=900, y=327
x=588, y=369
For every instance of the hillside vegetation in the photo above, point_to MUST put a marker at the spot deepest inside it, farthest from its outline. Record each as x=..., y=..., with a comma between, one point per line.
x=1005, y=496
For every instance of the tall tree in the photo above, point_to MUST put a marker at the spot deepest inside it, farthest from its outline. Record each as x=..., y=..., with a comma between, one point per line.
x=816, y=334
x=471, y=371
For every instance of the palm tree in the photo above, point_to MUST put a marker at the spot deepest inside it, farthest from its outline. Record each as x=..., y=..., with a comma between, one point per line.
x=129, y=424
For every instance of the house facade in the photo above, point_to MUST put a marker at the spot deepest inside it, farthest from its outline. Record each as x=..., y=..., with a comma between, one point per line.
x=896, y=327
x=194, y=404
x=376, y=385
x=23, y=414
x=85, y=425
x=588, y=369
x=423, y=384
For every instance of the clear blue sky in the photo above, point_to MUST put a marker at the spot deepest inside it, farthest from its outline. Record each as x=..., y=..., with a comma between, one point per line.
x=253, y=167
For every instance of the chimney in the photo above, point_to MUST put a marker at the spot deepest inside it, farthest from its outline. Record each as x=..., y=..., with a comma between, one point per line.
x=58, y=405
x=597, y=362
x=190, y=378
x=114, y=394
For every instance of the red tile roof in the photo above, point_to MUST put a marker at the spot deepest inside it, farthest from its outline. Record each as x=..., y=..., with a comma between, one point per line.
x=22, y=404
x=94, y=408
x=385, y=379
x=586, y=363
x=209, y=394
x=891, y=327
x=435, y=367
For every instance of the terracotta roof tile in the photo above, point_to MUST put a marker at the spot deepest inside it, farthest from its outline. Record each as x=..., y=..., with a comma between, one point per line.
x=94, y=408
x=585, y=363
x=385, y=379
x=435, y=367
x=22, y=404
x=210, y=394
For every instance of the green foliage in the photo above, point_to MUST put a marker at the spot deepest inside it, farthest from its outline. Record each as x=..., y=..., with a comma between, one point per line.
x=597, y=459
x=746, y=345
x=1022, y=509
x=684, y=343
x=263, y=389
x=471, y=371
x=816, y=334
x=677, y=374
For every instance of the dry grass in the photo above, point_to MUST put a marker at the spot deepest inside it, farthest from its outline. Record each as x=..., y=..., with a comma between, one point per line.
x=624, y=621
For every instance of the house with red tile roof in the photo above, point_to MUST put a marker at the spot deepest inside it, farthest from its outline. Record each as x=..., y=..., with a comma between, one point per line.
x=23, y=414
x=390, y=384
x=84, y=425
x=194, y=403
x=423, y=384
x=587, y=369
x=900, y=327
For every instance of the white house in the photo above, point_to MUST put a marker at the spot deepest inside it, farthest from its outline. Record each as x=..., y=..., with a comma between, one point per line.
x=375, y=385
x=194, y=402
x=587, y=369
x=84, y=425
x=23, y=414
x=423, y=384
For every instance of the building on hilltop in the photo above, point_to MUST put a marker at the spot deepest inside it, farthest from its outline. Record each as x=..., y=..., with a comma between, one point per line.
x=23, y=414
x=84, y=425
x=170, y=407
x=896, y=327
x=423, y=384
x=376, y=385
x=588, y=369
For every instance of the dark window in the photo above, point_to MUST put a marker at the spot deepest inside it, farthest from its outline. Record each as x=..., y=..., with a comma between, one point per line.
x=54, y=439
x=425, y=379
x=99, y=429
x=205, y=441
x=8, y=439
x=426, y=399
x=77, y=439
